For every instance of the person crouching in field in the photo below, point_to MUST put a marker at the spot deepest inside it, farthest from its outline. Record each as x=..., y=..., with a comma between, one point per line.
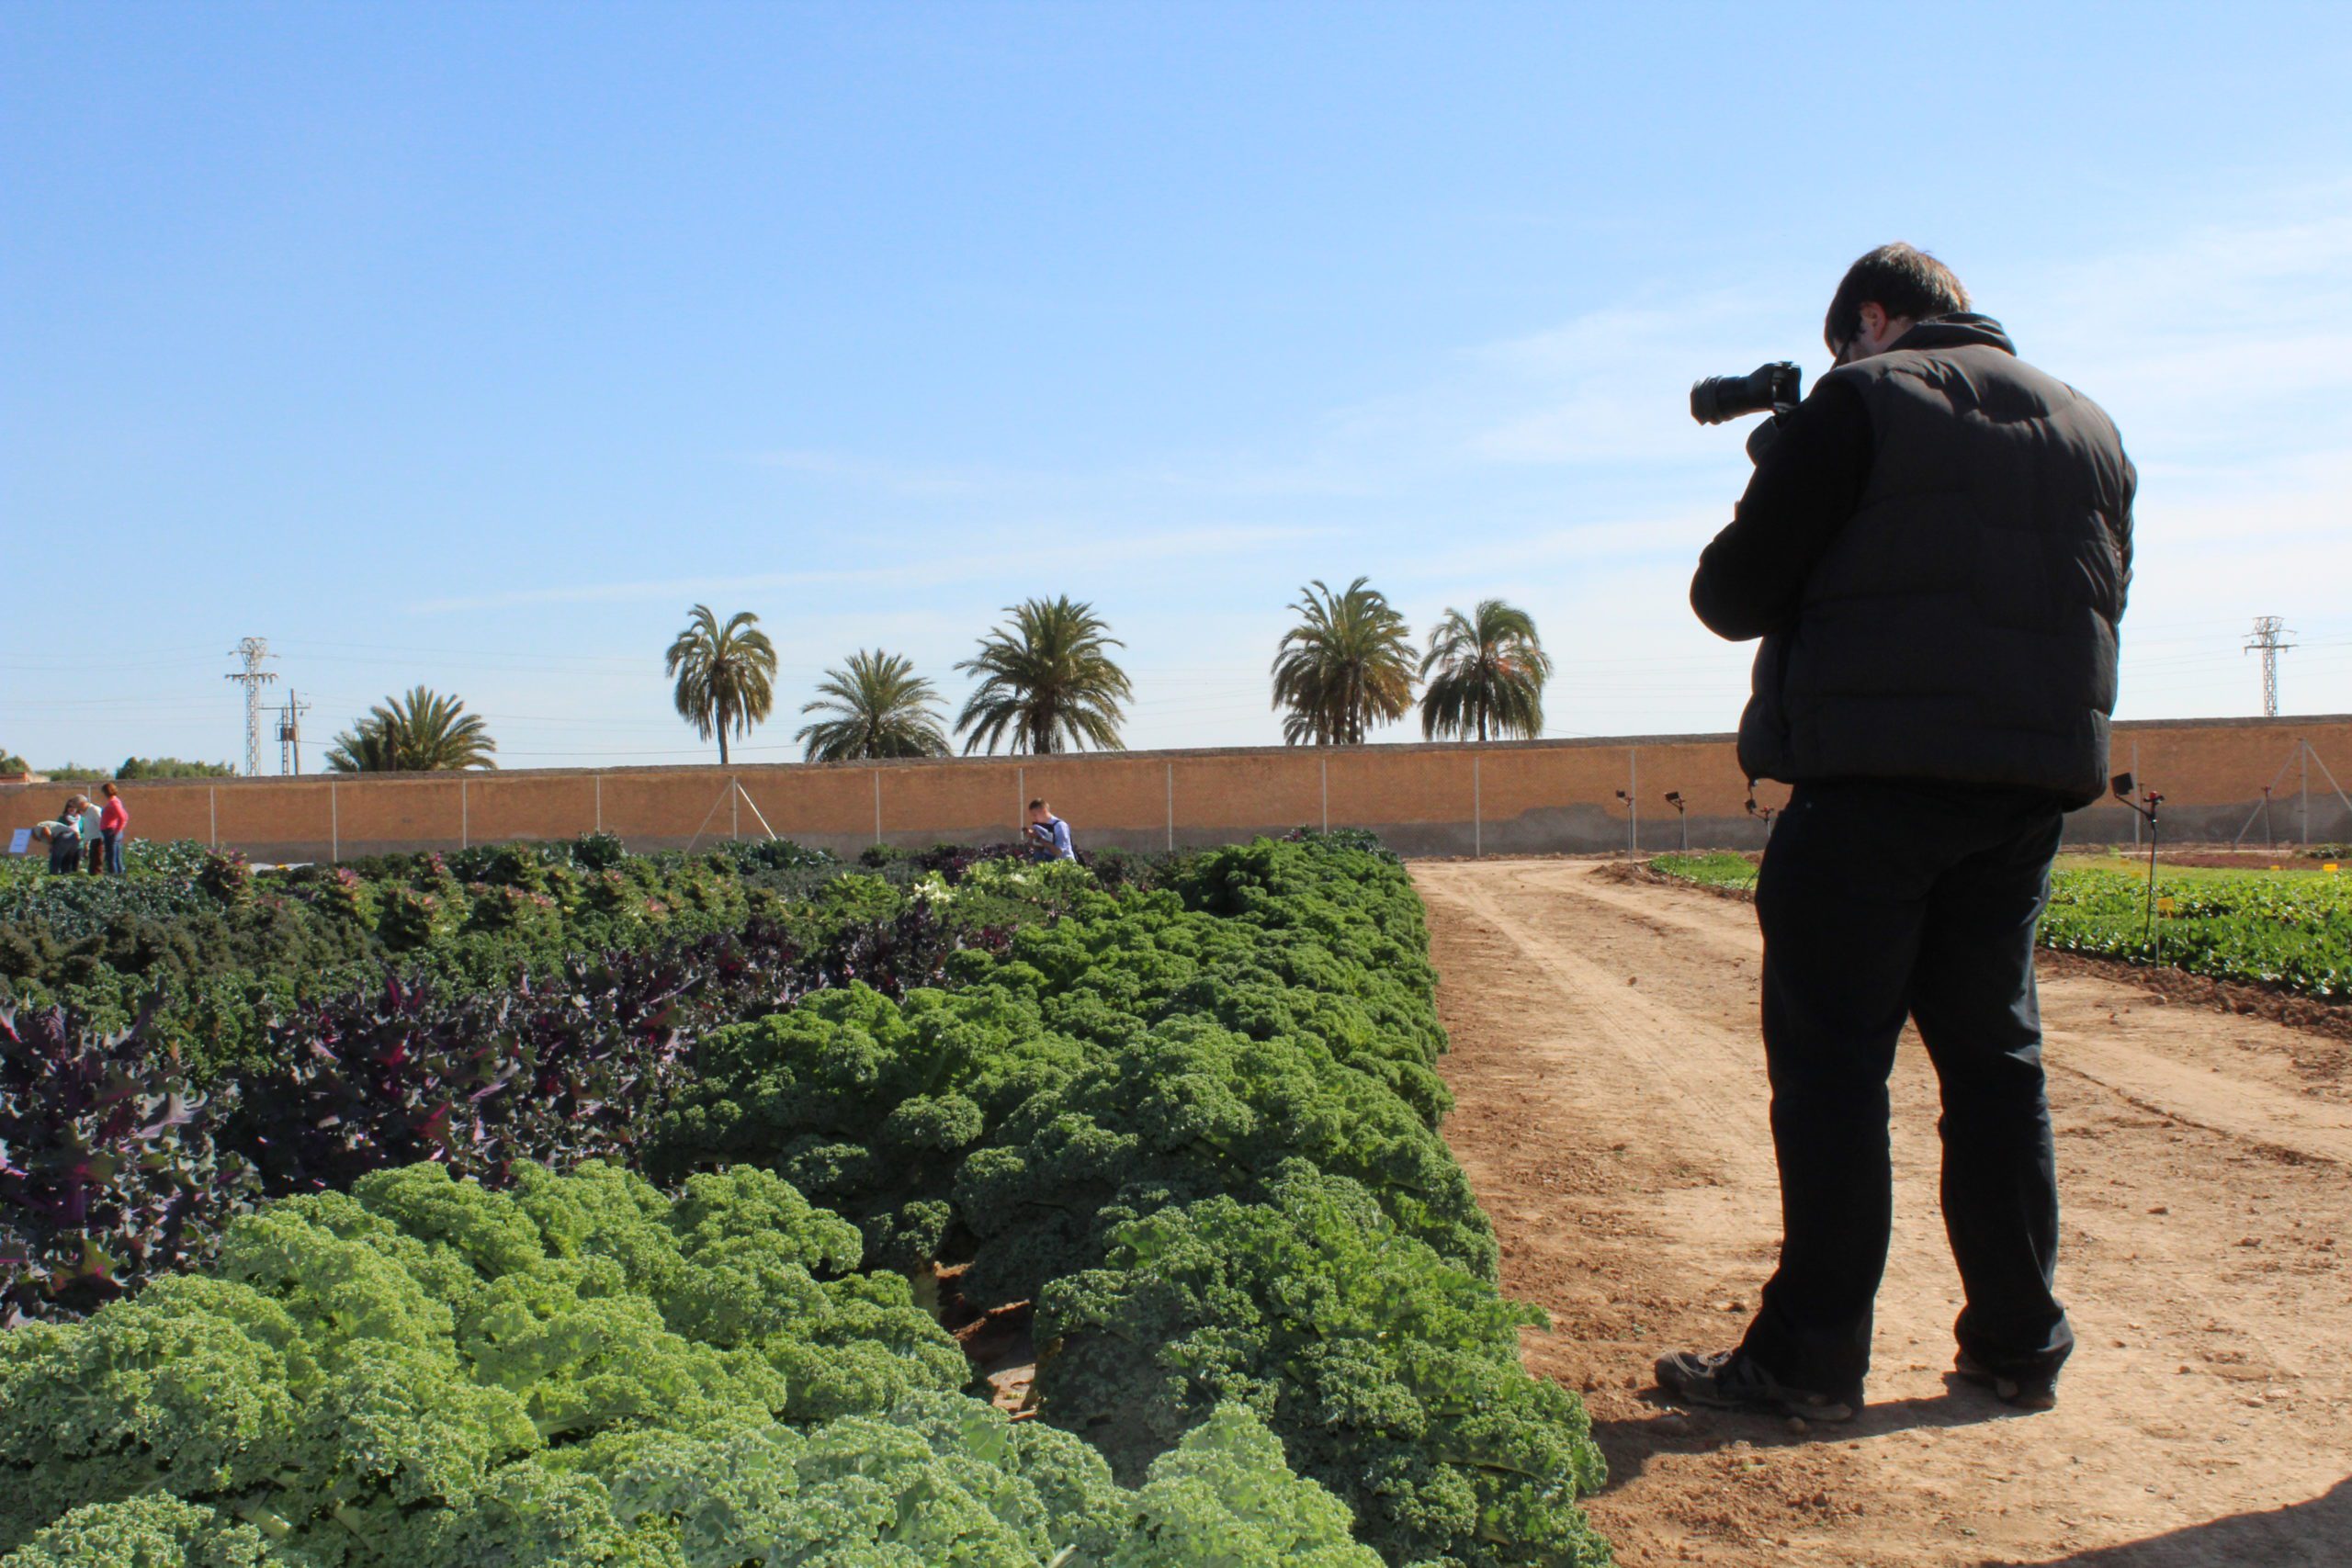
x=64, y=835
x=1935, y=551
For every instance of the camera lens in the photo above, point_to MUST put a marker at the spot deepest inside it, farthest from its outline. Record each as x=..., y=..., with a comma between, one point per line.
x=1721, y=398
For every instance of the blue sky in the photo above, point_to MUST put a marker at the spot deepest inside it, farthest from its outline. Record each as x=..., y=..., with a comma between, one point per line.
x=470, y=346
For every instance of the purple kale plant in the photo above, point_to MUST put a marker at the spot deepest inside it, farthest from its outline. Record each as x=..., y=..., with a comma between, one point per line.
x=109, y=1169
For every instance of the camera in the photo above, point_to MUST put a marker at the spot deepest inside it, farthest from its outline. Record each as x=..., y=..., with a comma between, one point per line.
x=1774, y=388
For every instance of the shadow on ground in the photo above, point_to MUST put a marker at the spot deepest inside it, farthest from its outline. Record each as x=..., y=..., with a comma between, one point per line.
x=1680, y=1429
x=2317, y=1534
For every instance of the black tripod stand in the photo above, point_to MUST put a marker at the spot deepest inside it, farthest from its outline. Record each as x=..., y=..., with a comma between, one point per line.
x=2146, y=807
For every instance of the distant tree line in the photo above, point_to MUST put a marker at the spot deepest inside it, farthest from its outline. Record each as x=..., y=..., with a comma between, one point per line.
x=1046, y=680
x=132, y=768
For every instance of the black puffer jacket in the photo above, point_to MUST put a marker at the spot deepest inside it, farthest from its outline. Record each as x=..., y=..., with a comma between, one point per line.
x=1961, y=624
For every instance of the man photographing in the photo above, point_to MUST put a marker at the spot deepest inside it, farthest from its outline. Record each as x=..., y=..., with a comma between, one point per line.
x=1935, y=551
x=1047, y=835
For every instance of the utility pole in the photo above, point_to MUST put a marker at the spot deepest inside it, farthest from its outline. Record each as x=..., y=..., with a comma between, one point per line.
x=290, y=733
x=2267, y=631
x=253, y=651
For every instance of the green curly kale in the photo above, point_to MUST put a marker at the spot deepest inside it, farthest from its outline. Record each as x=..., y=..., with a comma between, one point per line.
x=1391, y=1374
x=1240, y=1070
x=151, y=1531
x=364, y=1365
x=936, y=1480
x=1187, y=1110
x=583, y=1374
x=868, y=1104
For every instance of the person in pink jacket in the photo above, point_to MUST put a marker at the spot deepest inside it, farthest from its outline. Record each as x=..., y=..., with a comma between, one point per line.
x=114, y=826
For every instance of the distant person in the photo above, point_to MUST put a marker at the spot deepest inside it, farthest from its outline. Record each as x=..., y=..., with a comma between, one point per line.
x=1935, y=551
x=66, y=839
x=93, y=839
x=114, y=827
x=1048, y=834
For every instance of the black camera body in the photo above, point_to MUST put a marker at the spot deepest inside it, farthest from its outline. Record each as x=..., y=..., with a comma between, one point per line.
x=1776, y=387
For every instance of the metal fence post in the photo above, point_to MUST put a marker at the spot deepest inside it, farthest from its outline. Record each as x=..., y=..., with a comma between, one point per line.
x=735, y=806
x=1477, y=813
x=2135, y=782
x=1634, y=798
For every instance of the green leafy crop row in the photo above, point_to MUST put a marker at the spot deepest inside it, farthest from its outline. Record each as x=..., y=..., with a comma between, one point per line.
x=2293, y=931
x=1181, y=1118
x=232, y=948
x=581, y=1374
x=1196, y=1127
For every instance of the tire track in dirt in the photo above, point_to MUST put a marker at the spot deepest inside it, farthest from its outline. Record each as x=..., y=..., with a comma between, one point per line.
x=1612, y=1117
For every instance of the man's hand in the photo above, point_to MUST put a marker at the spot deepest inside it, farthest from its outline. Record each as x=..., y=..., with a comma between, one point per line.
x=1809, y=476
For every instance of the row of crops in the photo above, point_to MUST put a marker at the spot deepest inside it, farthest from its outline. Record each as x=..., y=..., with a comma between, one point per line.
x=562, y=1206
x=2291, y=931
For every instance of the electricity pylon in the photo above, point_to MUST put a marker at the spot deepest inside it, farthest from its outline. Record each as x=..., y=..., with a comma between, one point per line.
x=2267, y=631
x=253, y=651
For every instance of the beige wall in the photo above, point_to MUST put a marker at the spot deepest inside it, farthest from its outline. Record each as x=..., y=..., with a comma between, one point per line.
x=1424, y=799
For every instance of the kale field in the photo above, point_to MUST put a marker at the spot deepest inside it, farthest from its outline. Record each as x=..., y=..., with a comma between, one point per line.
x=554, y=1205
x=2290, y=931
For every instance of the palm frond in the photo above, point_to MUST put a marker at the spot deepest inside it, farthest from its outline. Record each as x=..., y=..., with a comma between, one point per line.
x=879, y=708
x=1047, y=682
x=725, y=674
x=1345, y=667
x=1485, y=674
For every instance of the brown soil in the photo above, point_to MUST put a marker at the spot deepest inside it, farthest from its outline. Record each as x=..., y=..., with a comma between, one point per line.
x=1612, y=1117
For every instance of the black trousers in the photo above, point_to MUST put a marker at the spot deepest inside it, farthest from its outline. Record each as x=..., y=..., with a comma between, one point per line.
x=1881, y=901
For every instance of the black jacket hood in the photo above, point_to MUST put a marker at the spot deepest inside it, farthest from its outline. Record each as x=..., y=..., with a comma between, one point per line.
x=1961, y=329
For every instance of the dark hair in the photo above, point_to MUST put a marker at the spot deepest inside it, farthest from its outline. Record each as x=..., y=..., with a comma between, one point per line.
x=1037, y=804
x=1899, y=279
x=109, y=787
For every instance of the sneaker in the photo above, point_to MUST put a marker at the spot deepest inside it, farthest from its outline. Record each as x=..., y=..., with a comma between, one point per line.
x=1730, y=1380
x=2031, y=1392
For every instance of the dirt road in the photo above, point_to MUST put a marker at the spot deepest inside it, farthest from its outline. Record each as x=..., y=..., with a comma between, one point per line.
x=1612, y=1117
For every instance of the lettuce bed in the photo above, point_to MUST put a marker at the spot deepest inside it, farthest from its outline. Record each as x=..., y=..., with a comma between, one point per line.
x=2291, y=931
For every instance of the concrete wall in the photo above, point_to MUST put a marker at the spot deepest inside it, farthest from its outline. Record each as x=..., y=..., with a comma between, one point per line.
x=1507, y=797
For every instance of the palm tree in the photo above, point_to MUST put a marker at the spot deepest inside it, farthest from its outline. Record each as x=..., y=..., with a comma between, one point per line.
x=1047, y=681
x=1490, y=670
x=424, y=732
x=880, y=708
x=726, y=674
x=1348, y=665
